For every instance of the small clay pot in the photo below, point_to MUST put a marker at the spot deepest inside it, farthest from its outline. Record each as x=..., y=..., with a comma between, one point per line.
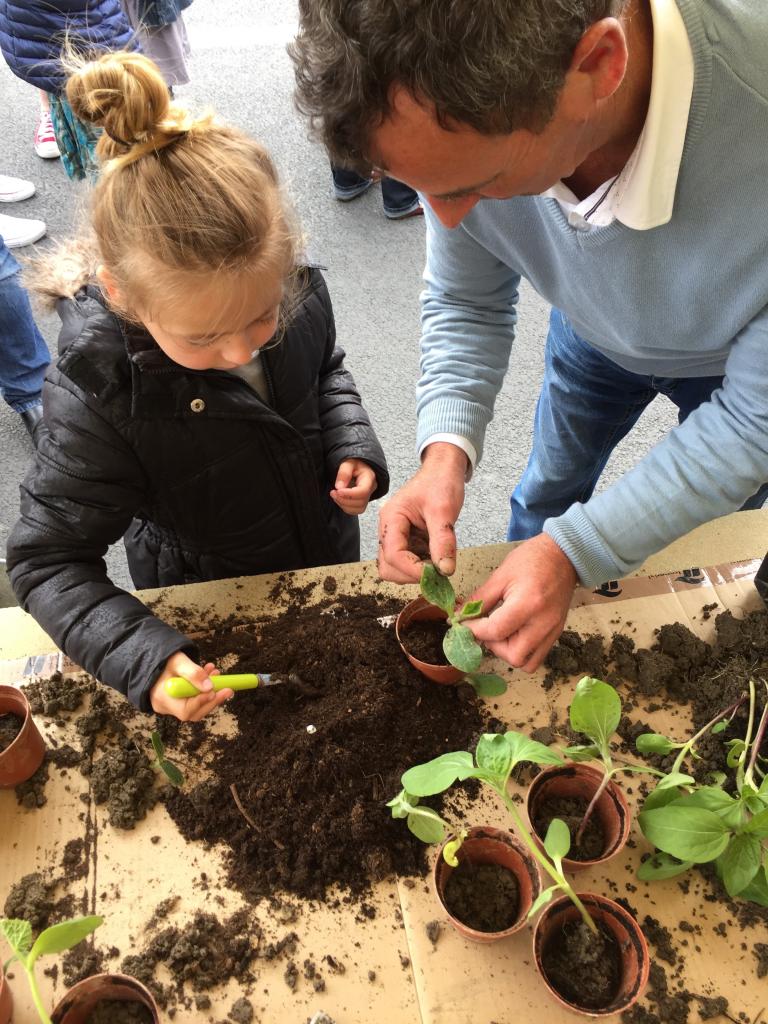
x=487, y=845
x=6, y=1000
x=420, y=610
x=582, y=781
x=25, y=754
x=633, y=948
x=82, y=998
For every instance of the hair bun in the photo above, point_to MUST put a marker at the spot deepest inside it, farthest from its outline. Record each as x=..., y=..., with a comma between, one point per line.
x=126, y=95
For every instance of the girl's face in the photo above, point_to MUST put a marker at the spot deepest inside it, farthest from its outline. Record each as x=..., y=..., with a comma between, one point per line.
x=219, y=326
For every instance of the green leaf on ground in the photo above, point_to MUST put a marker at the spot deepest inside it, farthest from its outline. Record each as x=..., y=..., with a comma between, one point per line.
x=63, y=936
x=437, y=775
x=740, y=862
x=487, y=684
x=661, y=866
x=427, y=825
x=688, y=833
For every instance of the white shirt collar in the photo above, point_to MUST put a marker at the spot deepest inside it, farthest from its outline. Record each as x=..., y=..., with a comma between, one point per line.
x=642, y=196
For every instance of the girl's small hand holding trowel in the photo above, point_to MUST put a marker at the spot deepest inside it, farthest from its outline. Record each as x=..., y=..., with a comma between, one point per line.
x=189, y=709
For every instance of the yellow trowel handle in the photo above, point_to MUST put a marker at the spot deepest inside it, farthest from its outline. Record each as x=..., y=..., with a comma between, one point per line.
x=180, y=687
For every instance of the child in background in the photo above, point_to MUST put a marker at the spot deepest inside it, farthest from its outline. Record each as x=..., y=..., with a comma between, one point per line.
x=200, y=405
x=159, y=27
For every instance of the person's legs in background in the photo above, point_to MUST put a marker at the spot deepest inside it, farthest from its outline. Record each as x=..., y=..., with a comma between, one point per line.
x=400, y=200
x=348, y=185
x=24, y=356
x=45, y=140
x=18, y=231
x=586, y=406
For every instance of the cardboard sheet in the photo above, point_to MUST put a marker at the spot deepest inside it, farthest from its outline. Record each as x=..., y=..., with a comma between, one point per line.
x=416, y=982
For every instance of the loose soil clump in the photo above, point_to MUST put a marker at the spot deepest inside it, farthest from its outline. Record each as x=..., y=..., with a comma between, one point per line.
x=571, y=810
x=584, y=968
x=485, y=897
x=10, y=726
x=303, y=810
x=124, y=779
x=30, y=900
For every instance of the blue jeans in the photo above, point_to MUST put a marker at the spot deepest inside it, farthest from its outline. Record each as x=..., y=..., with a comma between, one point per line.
x=587, y=405
x=24, y=355
x=398, y=199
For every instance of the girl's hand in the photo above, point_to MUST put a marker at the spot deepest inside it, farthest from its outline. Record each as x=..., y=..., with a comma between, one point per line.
x=190, y=709
x=355, y=483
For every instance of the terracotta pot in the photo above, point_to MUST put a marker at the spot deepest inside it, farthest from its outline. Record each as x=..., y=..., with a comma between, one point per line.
x=6, y=1001
x=420, y=610
x=487, y=845
x=635, y=961
x=82, y=998
x=582, y=781
x=25, y=754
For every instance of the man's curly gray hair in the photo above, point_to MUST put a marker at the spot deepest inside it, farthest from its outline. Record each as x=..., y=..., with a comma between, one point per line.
x=494, y=65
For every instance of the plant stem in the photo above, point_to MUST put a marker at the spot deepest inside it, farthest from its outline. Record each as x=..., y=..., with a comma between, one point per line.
x=36, y=997
x=758, y=742
x=552, y=871
x=740, y=774
x=607, y=772
x=684, y=751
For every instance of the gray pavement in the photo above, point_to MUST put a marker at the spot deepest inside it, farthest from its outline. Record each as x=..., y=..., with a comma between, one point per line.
x=240, y=68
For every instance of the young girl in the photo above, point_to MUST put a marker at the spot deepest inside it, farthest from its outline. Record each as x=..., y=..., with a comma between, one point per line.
x=200, y=405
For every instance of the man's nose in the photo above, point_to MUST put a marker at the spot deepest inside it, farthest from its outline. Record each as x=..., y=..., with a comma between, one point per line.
x=452, y=212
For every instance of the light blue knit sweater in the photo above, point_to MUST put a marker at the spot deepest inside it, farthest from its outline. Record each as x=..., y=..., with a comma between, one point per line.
x=687, y=299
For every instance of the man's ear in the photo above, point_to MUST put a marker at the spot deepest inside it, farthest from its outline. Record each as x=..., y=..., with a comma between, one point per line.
x=600, y=58
x=107, y=282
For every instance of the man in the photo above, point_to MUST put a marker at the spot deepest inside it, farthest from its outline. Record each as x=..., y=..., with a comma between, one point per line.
x=614, y=154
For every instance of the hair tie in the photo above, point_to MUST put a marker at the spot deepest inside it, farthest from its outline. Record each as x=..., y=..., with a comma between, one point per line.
x=120, y=142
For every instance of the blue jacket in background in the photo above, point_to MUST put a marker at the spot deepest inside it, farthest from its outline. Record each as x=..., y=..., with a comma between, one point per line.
x=32, y=33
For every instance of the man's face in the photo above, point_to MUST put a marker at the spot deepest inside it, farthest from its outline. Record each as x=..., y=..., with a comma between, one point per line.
x=456, y=169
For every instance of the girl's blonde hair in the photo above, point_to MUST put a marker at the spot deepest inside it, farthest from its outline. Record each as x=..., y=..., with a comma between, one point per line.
x=180, y=198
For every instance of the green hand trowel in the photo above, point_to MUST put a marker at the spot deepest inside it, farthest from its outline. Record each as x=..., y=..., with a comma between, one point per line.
x=177, y=686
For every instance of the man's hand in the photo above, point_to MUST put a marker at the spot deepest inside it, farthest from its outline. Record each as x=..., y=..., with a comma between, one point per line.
x=530, y=594
x=191, y=709
x=425, y=508
x=355, y=483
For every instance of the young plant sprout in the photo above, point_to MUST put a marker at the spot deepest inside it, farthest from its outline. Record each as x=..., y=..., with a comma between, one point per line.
x=496, y=757
x=596, y=712
x=166, y=766
x=459, y=645
x=56, y=939
x=707, y=823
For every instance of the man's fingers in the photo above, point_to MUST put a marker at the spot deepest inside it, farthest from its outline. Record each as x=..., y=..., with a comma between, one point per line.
x=396, y=561
x=502, y=622
x=442, y=543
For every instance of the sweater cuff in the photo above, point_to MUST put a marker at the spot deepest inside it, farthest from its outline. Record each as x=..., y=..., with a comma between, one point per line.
x=467, y=420
x=595, y=563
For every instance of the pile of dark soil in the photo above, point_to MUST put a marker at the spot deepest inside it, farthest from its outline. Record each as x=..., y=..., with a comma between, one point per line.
x=571, y=810
x=10, y=725
x=485, y=897
x=584, y=968
x=30, y=900
x=124, y=779
x=301, y=809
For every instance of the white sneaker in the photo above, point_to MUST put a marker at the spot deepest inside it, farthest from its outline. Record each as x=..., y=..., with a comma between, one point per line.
x=12, y=190
x=45, y=140
x=18, y=231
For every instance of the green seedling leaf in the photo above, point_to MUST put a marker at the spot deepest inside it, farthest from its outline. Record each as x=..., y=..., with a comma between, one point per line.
x=714, y=799
x=557, y=842
x=719, y=727
x=758, y=826
x=174, y=775
x=427, y=825
x=688, y=833
x=734, y=754
x=402, y=804
x=461, y=648
x=471, y=610
x=63, y=936
x=757, y=890
x=158, y=745
x=662, y=866
x=655, y=743
x=437, y=589
x=452, y=847
x=595, y=710
x=740, y=863
x=18, y=934
x=437, y=775
x=674, y=780
x=582, y=752
x=487, y=684
x=525, y=749
x=494, y=754
x=542, y=900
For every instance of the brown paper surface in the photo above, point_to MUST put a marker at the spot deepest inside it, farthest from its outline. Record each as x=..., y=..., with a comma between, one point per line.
x=454, y=981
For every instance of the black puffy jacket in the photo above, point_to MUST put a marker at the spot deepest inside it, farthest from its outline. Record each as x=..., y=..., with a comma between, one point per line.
x=207, y=479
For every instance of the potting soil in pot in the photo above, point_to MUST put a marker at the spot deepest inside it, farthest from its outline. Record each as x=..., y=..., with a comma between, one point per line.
x=485, y=897
x=10, y=725
x=119, y=1011
x=299, y=793
x=571, y=810
x=583, y=967
x=423, y=639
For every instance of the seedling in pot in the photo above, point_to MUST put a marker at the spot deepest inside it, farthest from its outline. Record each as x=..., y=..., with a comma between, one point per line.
x=171, y=771
x=495, y=759
x=596, y=712
x=459, y=644
x=56, y=939
x=705, y=823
